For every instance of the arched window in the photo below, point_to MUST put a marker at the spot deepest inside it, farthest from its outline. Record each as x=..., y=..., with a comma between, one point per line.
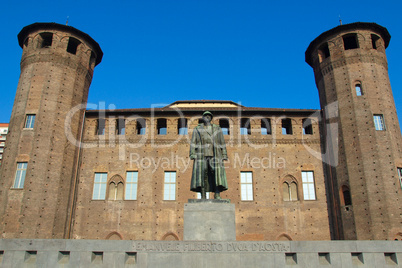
x=346, y=199
x=359, y=90
x=284, y=237
x=116, y=188
x=114, y=236
x=170, y=236
x=112, y=191
x=289, y=188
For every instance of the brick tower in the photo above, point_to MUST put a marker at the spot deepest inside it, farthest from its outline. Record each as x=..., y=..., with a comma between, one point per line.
x=40, y=163
x=361, y=133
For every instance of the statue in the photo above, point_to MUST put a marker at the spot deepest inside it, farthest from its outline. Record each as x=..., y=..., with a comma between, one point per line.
x=208, y=150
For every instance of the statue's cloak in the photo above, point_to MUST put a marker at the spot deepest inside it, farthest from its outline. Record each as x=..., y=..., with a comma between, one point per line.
x=200, y=165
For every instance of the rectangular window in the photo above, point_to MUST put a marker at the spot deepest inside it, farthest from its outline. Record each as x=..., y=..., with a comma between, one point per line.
x=182, y=126
x=350, y=41
x=46, y=40
x=101, y=127
x=307, y=127
x=287, y=126
x=224, y=124
x=99, y=192
x=359, y=90
x=308, y=185
x=379, y=122
x=161, y=126
x=170, y=186
x=266, y=126
x=72, y=45
x=121, y=126
x=131, y=185
x=20, y=175
x=141, y=124
x=245, y=128
x=29, y=121
x=400, y=176
x=246, y=182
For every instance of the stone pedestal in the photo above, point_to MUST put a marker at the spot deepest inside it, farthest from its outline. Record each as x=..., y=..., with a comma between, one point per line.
x=209, y=220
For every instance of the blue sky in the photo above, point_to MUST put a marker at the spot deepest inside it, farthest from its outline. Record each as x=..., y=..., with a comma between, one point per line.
x=158, y=51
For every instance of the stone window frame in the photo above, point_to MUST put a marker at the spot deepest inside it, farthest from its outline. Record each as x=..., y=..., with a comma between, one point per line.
x=287, y=183
x=115, y=188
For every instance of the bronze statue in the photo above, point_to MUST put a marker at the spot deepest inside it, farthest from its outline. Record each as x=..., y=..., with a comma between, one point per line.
x=208, y=150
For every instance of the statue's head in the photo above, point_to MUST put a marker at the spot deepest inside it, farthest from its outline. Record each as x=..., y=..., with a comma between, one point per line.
x=207, y=116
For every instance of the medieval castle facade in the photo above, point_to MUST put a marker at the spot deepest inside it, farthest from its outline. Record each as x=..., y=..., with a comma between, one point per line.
x=293, y=174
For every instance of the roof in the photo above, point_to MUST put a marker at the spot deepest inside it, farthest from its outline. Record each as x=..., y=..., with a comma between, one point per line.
x=3, y=124
x=198, y=110
x=203, y=103
x=55, y=26
x=346, y=27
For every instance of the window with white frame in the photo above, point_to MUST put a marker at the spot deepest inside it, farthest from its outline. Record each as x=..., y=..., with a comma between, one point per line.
x=400, y=176
x=99, y=192
x=308, y=185
x=170, y=186
x=246, y=183
x=131, y=185
x=29, y=121
x=20, y=175
x=379, y=122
